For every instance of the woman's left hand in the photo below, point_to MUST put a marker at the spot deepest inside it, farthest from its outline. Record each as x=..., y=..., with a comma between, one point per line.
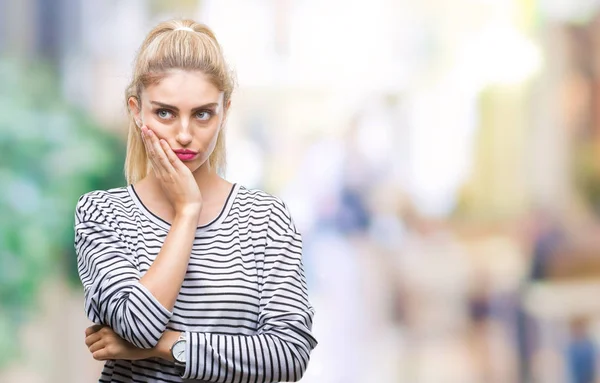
x=105, y=344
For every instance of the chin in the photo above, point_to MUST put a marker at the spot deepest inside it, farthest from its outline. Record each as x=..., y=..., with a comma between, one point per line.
x=193, y=166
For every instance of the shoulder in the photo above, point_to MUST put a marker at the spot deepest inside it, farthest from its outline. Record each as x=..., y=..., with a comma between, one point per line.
x=100, y=204
x=264, y=204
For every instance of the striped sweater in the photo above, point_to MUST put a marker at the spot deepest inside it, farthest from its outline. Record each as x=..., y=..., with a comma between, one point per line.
x=243, y=305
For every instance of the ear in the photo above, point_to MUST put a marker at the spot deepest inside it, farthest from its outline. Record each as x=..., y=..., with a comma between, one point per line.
x=225, y=112
x=135, y=110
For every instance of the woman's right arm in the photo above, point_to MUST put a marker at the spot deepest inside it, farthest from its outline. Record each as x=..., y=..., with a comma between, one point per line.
x=164, y=278
x=137, y=307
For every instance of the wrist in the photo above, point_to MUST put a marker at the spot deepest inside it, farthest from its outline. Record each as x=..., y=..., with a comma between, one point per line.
x=188, y=212
x=151, y=352
x=163, y=348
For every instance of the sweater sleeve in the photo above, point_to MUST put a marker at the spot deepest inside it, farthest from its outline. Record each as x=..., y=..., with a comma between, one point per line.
x=281, y=348
x=114, y=295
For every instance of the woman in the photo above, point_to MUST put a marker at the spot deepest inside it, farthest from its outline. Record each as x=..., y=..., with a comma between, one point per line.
x=186, y=275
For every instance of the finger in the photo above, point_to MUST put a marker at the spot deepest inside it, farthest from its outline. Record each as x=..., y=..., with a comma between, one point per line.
x=160, y=154
x=106, y=331
x=170, y=154
x=92, y=329
x=151, y=151
x=101, y=354
x=156, y=154
x=93, y=338
x=145, y=140
x=99, y=345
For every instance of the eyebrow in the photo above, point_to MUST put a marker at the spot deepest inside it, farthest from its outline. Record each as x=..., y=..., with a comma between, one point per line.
x=167, y=106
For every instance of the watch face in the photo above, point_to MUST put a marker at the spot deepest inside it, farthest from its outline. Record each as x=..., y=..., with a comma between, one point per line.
x=179, y=351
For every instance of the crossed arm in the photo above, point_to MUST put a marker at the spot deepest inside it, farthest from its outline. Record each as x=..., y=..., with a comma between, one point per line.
x=132, y=319
x=105, y=344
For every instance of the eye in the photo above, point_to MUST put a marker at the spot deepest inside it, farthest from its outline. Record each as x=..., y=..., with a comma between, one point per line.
x=204, y=115
x=164, y=114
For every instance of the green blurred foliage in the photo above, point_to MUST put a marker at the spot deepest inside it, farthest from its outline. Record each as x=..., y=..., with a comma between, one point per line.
x=50, y=154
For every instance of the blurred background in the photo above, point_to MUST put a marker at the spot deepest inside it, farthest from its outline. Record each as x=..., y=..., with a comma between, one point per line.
x=440, y=157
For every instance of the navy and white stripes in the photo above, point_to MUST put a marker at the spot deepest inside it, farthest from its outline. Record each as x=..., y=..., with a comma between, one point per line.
x=243, y=304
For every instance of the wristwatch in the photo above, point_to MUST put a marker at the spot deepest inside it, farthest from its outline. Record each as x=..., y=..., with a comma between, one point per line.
x=178, y=350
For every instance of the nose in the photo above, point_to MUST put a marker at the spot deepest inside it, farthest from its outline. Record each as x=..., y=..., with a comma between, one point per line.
x=184, y=137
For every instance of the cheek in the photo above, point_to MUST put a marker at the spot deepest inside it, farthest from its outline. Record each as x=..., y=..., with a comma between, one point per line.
x=213, y=142
x=153, y=122
x=160, y=131
x=208, y=137
x=147, y=115
x=208, y=142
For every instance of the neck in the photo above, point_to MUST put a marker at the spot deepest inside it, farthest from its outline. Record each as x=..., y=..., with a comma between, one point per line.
x=206, y=178
x=208, y=181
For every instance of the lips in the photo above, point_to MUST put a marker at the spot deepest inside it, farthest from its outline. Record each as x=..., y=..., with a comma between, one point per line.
x=185, y=154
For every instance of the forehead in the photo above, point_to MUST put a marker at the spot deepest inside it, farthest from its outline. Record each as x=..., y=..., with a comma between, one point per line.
x=183, y=88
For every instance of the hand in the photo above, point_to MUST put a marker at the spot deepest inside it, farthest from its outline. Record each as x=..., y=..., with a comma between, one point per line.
x=176, y=179
x=105, y=344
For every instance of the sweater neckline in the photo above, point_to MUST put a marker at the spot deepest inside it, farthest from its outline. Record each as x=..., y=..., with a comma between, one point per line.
x=167, y=226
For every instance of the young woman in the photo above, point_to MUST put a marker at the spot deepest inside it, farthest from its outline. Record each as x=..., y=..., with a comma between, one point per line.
x=186, y=275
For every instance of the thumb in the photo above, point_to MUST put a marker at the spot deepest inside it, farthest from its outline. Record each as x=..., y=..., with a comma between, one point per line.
x=92, y=329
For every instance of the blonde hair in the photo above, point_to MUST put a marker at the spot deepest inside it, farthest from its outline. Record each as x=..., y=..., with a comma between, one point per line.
x=175, y=44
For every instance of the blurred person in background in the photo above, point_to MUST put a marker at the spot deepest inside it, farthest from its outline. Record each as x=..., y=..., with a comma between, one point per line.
x=581, y=353
x=186, y=275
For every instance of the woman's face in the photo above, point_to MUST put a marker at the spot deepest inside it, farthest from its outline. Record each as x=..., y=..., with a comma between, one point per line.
x=186, y=110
